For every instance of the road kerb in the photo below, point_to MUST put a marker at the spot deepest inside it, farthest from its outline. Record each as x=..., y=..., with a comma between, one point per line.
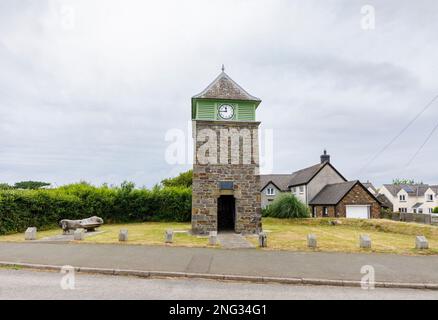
x=259, y=279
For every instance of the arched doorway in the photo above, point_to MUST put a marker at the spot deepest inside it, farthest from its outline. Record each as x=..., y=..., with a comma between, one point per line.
x=226, y=213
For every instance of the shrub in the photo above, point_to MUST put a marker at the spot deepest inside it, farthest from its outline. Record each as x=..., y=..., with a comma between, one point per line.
x=435, y=210
x=184, y=179
x=43, y=209
x=287, y=206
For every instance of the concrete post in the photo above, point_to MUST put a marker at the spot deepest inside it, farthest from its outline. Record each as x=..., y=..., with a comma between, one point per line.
x=364, y=241
x=79, y=234
x=263, y=240
x=31, y=233
x=311, y=241
x=168, y=236
x=421, y=243
x=123, y=235
x=212, y=239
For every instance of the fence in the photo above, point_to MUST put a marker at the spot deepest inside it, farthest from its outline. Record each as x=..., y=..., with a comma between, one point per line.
x=415, y=217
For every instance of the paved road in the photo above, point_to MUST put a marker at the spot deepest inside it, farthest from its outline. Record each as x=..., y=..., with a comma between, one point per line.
x=24, y=284
x=335, y=266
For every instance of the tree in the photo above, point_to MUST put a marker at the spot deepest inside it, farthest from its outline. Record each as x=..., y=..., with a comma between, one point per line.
x=31, y=185
x=5, y=186
x=286, y=205
x=405, y=181
x=184, y=179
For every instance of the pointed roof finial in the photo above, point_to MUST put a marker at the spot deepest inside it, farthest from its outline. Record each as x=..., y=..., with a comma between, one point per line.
x=223, y=68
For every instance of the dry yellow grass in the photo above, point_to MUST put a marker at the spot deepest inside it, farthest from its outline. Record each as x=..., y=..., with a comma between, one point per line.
x=18, y=237
x=387, y=236
x=283, y=234
x=147, y=233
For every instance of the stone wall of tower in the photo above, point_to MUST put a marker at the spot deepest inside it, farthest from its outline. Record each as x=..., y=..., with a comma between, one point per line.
x=245, y=175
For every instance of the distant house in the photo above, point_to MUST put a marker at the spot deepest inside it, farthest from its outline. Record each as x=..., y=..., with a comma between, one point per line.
x=272, y=186
x=411, y=198
x=320, y=183
x=370, y=187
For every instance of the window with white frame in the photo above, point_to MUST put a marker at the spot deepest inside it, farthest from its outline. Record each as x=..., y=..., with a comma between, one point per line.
x=429, y=197
x=270, y=191
x=403, y=210
x=402, y=197
x=294, y=190
x=430, y=210
x=301, y=189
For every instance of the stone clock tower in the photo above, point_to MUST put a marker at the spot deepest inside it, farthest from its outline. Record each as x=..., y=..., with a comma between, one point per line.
x=226, y=181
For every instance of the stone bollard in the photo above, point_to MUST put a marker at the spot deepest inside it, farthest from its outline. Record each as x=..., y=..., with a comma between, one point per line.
x=123, y=235
x=212, y=239
x=79, y=234
x=263, y=240
x=169, y=236
x=31, y=233
x=311, y=241
x=421, y=242
x=364, y=241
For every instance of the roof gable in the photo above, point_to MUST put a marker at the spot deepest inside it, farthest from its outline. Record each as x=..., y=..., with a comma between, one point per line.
x=223, y=87
x=331, y=194
x=411, y=189
x=304, y=176
x=280, y=181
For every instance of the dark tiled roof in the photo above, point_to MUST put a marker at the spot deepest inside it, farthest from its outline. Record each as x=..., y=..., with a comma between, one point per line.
x=280, y=180
x=223, y=87
x=412, y=189
x=331, y=194
x=384, y=201
x=369, y=185
x=305, y=175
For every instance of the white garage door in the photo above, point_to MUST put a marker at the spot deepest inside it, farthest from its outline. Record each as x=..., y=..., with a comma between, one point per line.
x=358, y=212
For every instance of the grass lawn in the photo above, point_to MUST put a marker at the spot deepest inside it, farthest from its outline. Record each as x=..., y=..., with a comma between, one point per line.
x=19, y=237
x=150, y=233
x=387, y=236
x=283, y=234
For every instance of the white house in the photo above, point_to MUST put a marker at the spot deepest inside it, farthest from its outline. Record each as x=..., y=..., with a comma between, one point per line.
x=411, y=198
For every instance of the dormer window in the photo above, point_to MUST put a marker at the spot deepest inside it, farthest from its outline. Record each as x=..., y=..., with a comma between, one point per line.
x=270, y=191
x=402, y=197
x=429, y=197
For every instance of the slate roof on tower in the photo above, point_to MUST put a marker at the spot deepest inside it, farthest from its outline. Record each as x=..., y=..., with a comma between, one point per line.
x=223, y=87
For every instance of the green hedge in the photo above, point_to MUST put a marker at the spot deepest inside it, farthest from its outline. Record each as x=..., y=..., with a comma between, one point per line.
x=43, y=209
x=435, y=210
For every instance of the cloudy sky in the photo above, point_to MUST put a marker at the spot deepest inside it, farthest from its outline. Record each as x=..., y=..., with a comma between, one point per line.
x=88, y=89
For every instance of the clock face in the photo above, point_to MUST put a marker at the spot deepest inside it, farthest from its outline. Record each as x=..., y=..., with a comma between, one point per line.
x=226, y=111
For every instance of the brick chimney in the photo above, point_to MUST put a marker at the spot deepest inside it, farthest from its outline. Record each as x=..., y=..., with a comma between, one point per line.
x=325, y=157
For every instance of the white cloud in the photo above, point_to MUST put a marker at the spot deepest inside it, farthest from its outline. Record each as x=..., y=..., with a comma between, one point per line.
x=89, y=88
